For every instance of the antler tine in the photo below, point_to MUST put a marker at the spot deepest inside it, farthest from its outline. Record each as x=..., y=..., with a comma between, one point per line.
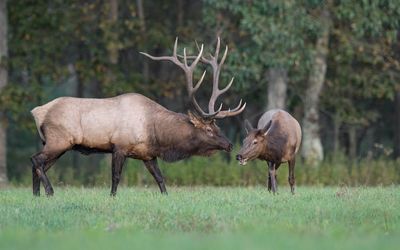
x=219, y=109
x=194, y=63
x=238, y=106
x=173, y=58
x=228, y=113
x=202, y=58
x=188, y=72
x=227, y=87
x=199, y=82
x=224, y=56
x=162, y=58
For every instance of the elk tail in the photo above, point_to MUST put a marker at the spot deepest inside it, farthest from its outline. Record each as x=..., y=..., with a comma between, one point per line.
x=39, y=114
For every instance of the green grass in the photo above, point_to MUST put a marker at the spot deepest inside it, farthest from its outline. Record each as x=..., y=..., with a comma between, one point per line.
x=202, y=218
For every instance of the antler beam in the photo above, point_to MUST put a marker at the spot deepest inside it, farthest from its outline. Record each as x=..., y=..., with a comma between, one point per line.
x=216, y=66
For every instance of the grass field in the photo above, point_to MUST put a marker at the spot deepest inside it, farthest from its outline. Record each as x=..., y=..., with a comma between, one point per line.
x=202, y=218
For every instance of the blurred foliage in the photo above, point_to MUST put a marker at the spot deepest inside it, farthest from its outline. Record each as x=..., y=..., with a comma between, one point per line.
x=67, y=47
x=216, y=171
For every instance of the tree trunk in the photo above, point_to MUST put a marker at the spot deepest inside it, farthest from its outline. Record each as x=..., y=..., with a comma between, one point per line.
x=312, y=150
x=397, y=125
x=337, y=122
x=113, y=50
x=277, y=85
x=3, y=83
x=352, y=130
x=112, y=8
x=140, y=13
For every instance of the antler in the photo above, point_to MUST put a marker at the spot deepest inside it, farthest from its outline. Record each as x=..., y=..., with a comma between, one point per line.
x=216, y=92
x=188, y=73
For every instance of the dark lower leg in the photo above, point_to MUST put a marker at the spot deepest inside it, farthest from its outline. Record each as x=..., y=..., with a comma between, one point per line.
x=42, y=162
x=269, y=182
x=273, y=181
x=118, y=160
x=291, y=178
x=269, y=175
x=272, y=173
x=155, y=171
x=45, y=180
x=35, y=182
x=35, y=176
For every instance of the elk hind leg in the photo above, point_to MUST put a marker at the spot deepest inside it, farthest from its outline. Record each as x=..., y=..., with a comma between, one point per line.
x=291, y=178
x=41, y=162
x=118, y=160
x=35, y=177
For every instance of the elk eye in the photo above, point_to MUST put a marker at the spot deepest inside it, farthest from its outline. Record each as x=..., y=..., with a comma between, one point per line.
x=254, y=142
x=209, y=130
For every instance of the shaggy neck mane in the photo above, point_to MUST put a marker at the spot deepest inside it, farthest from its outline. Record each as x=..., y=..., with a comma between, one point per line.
x=174, y=138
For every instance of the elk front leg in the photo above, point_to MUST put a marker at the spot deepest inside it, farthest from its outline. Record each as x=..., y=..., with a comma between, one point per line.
x=117, y=163
x=269, y=176
x=291, y=178
x=272, y=173
x=155, y=171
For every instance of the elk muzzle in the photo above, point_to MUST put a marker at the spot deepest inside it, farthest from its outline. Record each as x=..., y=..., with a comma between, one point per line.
x=229, y=148
x=241, y=159
x=223, y=143
x=226, y=145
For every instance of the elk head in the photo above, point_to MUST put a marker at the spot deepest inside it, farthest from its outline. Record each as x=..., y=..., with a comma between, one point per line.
x=204, y=128
x=208, y=134
x=254, y=143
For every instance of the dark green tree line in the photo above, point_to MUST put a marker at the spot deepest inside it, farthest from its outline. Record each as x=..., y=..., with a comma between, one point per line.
x=333, y=64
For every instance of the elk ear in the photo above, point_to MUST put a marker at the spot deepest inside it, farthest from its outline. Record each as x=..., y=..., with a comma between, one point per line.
x=194, y=119
x=266, y=128
x=247, y=126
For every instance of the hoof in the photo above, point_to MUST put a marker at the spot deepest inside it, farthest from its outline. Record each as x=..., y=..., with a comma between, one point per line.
x=50, y=193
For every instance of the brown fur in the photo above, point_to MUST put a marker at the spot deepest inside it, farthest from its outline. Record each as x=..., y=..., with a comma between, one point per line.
x=276, y=140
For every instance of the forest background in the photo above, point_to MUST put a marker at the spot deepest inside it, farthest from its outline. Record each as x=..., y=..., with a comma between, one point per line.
x=334, y=65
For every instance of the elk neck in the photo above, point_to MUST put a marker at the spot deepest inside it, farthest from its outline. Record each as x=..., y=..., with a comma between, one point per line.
x=173, y=137
x=275, y=143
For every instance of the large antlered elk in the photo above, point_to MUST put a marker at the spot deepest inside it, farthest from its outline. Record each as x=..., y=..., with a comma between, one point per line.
x=131, y=125
x=276, y=140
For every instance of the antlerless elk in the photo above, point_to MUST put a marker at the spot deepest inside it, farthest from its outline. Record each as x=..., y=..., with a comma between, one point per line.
x=131, y=126
x=276, y=140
